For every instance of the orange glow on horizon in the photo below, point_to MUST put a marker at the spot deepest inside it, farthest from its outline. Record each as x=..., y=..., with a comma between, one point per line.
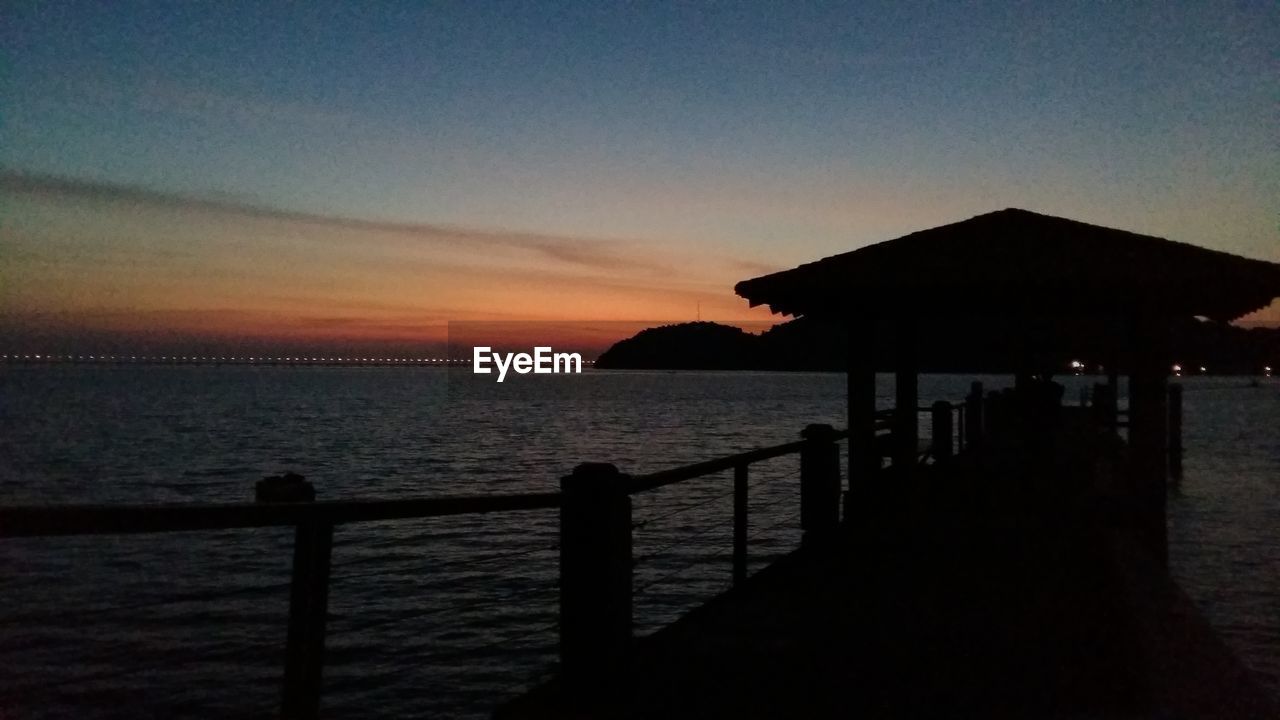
x=159, y=269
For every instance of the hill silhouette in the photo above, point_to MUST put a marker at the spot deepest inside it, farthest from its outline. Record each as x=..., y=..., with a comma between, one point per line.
x=687, y=346
x=989, y=346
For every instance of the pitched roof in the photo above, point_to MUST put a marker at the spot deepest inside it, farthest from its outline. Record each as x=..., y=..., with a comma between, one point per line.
x=1019, y=261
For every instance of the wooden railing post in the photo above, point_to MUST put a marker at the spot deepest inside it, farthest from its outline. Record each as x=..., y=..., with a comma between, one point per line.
x=1104, y=405
x=595, y=580
x=308, y=600
x=941, y=423
x=819, y=481
x=308, y=609
x=739, y=523
x=974, y=421
x=1175, y=430
x=1149, y=431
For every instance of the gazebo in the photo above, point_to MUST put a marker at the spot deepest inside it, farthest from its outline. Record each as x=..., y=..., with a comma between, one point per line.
x=1028, y=270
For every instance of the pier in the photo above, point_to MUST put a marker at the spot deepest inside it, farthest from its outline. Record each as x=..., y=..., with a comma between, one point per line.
x=1021, y=573
x=988, y=581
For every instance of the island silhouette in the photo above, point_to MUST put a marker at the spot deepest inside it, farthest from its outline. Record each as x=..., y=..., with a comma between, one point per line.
x=810, y=344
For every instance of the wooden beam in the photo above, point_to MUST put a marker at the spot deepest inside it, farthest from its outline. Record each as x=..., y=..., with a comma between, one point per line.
x=21, y=521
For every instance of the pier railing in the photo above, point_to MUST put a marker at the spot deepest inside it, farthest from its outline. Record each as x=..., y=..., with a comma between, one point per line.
x=596, y=563
x=597, y=577
x=597, y=559
x=313, y=523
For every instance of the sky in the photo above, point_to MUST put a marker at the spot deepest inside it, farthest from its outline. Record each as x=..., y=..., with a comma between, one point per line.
x=342, y=175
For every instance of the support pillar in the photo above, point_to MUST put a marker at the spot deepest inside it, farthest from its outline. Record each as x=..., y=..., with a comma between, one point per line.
x=595, y=581
x=905, y=430
x=864, y=456
x=819, y=482
x=1113, y=384
x=1148, y=431
x=975, y=417
x=1175, y=431
x=942, y=442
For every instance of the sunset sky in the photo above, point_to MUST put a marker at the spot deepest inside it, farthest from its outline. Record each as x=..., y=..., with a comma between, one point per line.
x=270, y=175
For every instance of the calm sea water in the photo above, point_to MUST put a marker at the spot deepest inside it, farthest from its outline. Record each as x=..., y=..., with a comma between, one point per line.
x=449, y=616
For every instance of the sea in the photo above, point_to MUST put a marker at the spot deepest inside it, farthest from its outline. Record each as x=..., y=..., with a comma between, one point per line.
x=447, y=617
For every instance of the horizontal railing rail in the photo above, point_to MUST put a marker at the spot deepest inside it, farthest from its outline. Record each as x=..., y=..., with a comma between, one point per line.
x=929, y=408
x=40, y=520
x=652, y=481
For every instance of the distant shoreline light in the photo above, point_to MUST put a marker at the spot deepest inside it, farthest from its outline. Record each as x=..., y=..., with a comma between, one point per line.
x=48, y=358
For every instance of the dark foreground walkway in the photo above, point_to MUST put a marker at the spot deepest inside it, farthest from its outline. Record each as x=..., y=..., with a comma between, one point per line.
x=978, y=624
x=962, y=609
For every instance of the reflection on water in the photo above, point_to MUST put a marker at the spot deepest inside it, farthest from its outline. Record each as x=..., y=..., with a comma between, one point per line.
x=450, y=615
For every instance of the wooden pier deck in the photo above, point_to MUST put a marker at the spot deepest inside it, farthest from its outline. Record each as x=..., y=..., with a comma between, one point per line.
x=1003, y=584
x=978, y=624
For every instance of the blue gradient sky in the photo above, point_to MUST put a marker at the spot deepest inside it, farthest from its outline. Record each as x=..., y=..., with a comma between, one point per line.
x=765, y=134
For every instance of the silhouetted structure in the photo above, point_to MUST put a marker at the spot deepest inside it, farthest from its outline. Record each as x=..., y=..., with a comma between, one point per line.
x=1041, y=276
x=1015, y=262
x=1020, y=574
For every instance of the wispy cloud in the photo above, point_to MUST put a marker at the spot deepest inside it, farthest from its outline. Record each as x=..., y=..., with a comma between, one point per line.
x=584, y=252
x=754, y=268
